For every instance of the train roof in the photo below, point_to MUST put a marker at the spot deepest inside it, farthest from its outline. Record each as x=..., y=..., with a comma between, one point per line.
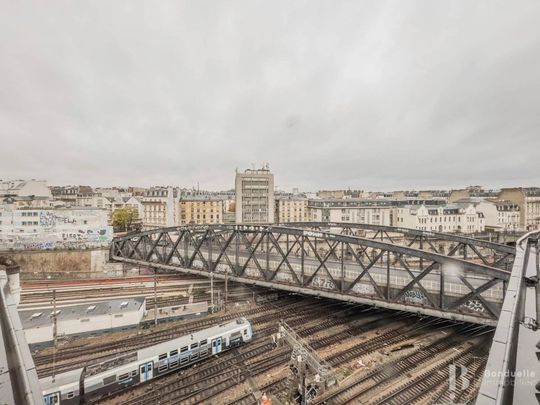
x=192, y=338
x=66, y=378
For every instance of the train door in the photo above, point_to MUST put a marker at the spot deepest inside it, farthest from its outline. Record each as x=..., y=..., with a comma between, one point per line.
x=52, y=399
x=216, y=345
x=145, y=371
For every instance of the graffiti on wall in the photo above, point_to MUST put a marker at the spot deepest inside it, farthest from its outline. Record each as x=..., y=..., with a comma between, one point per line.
x=415, y=297
x=363, y=289
x=321, y=282
x=57, y=229
x=284, y=277
x=51, y=219
x=474, y=305
x=254, y=273
x=78, y=239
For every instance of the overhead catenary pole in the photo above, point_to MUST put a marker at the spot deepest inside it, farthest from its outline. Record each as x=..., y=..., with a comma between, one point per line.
x=226, y=289
x=155, y=298
x=55, y=334
x=210, y=269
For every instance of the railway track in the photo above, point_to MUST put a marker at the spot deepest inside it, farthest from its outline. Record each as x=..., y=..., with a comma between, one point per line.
x=164, y=292
x=394, y=336
x=255, y=361
x=374, y=379
x=259, y=315
x=234, y=367
x=421, y=388
x=207, y=381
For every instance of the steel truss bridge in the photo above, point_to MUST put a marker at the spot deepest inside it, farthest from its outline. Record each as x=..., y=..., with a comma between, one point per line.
x=435, y=274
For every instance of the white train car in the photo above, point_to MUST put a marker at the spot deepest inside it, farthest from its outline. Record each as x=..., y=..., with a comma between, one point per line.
x=102, y=379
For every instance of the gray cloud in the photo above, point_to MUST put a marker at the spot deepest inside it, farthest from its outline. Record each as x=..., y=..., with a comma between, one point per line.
x=363, y=94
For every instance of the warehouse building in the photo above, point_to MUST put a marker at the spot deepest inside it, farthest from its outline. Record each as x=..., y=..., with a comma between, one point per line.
x=82, y=319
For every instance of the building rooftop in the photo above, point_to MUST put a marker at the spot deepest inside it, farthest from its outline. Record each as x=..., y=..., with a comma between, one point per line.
x=33, y=318
x=374, y=202
x=203, y=197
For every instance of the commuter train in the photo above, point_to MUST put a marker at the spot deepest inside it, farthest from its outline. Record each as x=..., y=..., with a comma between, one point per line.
x=99, y=380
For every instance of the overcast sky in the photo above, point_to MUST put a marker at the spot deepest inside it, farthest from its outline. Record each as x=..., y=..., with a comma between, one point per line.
x=333, y=94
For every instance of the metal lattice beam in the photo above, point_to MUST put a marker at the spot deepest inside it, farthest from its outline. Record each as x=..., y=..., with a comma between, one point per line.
x=340, y=266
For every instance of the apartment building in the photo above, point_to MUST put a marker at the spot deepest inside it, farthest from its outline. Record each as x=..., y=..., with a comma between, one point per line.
x=351, y=210
x=255, y=201
x=376, y=211
x=160, y=207
x=528, y=201
x=499, y=215
x=291, y=208
x=471, y=192
x=200, y=210
x=72, y=195
x=25, y=188
x=460, y=218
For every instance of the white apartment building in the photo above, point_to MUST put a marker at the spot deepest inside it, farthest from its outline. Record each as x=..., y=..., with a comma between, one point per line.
x=499, y=215
x=160, y=207
x=50, y=228
x=460, y=218
x=255, y=201
x=373, y=212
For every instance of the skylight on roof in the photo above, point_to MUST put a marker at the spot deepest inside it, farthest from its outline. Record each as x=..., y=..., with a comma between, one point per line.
x=90, y=308
x=36, y=315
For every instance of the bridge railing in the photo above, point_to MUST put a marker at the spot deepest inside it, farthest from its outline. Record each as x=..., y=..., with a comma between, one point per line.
x=512, y=373
x=19, y=382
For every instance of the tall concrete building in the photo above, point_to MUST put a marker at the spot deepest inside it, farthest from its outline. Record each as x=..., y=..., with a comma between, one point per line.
x=255, y=201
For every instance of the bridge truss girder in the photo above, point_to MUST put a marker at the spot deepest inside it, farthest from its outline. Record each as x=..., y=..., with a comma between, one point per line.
x=467, y=248
x=324, y=264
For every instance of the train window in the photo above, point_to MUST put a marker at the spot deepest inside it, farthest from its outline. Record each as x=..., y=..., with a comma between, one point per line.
x=123, y=377
x=245, y=332
x=194, y=356
x=70, y=395
x=109, y=380
x=203, y=353
x=184, y=360
x=204, y=342
x=184, y=349
x=162, y=368
x=162, y=356
x=194, y=346
x=134, y=373
x=173, y=352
